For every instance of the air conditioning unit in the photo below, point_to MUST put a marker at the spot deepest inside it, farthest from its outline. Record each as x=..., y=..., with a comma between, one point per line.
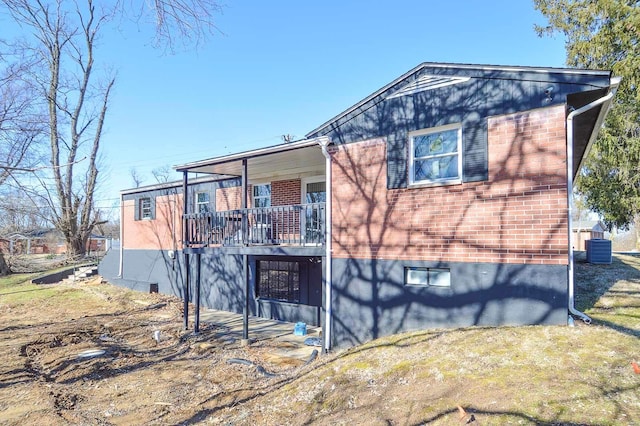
x=599, y=252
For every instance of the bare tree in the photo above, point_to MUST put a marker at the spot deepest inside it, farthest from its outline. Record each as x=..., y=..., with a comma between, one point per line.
x=18, y=214
x=287, y=138
x=76, y=104
x=135, y=177
x=75, y=95
x=185, y=21
x=21, y=124
x=163, y=174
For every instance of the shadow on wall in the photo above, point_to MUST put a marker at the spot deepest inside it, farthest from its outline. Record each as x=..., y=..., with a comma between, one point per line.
x=503, y=236
x=220, y=273
x=221, y=281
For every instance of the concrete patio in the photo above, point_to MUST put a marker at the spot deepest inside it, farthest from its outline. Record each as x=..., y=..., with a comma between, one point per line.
x=287, y=345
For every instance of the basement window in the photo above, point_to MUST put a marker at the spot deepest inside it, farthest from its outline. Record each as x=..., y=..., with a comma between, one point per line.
x=427, y=277
x=278, y=280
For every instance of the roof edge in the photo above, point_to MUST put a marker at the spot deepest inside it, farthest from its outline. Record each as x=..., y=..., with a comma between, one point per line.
x=173, y=184
x=258, y=152
x=614, y=82
x=479, y=67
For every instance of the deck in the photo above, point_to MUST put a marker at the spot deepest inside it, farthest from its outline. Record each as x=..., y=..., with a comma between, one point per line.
x=294, y=225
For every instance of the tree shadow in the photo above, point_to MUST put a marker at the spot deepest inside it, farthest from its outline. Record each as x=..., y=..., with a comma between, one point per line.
x=503, y=235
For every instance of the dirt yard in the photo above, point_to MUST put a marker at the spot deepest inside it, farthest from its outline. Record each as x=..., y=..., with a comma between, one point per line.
x=507, y=375
x=49, y=376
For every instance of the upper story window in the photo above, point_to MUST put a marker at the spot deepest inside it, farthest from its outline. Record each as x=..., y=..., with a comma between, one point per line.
x=262, y=195
x=436, y=155
x=144, y=208
x=202, y=202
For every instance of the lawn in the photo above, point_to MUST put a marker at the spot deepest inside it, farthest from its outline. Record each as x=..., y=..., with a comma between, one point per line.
x=533, y=375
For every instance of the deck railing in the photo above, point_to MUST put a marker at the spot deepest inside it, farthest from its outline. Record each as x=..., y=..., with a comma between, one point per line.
x=301, y=224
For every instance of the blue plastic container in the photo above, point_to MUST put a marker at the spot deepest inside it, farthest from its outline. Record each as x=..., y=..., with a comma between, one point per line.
x=300, y=329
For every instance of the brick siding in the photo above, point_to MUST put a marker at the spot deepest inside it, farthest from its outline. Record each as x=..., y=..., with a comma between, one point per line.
x=285, y=192
x=228, y=198
x=518, y=216
x=164, y=232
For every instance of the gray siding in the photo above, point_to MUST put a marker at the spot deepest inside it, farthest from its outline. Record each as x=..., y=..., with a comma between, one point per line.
x=221, y=285
x=486, y=94
x=370, y=299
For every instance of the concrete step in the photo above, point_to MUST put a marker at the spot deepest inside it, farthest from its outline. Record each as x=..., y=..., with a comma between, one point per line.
x=82, y=273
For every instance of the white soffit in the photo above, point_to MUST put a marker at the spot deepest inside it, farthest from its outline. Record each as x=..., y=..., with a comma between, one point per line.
x=428, y=82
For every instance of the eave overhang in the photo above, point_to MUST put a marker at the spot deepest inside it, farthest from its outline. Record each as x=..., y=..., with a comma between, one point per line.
x=298, y=158
x=587, y=125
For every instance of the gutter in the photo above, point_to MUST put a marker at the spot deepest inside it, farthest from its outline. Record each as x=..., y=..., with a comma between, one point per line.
x=606, y=102
x=324, y=143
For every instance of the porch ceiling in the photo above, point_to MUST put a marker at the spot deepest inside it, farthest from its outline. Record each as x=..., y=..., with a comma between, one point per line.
x=294, y=159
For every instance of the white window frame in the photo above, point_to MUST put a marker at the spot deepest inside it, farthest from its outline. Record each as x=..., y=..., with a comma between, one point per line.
x=253, y=196
x=304, y=182
x=141, y=201
x=412, y=159
x=200, y=203
x=427, y=277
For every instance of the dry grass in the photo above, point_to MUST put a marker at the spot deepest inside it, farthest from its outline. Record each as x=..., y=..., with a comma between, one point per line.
x=520, y=375
x=512, y=375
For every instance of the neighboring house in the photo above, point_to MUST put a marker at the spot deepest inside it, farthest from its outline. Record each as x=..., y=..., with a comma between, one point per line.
x=441, y=200
x=583, y=230
x=45, y=241
x=34, y=241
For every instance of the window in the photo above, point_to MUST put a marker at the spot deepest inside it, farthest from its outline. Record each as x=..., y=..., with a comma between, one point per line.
x=262, y=195
x=315, y=192
x=144, y=208
x=433, y=277
x=202, y=202
x=278, y=280
x=436, y=155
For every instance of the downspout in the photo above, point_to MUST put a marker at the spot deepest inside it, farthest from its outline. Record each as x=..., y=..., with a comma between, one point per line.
x=605, y=99
x=121, y=266
x=324, y=142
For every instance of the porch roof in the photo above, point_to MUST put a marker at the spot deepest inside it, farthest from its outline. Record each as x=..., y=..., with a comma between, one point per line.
x=298, y=158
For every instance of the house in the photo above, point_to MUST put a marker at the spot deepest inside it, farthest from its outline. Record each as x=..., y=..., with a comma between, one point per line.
x=33, y=241
x=440, y=200
x=583, y=230
x=45, y=241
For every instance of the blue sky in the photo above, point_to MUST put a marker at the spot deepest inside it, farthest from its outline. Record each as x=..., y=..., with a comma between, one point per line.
x=285, y=67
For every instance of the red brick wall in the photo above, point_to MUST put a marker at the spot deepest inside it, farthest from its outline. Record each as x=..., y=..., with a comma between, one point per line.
x=285, y=192
x=228, y=198
x=517, y=216
x=158, y=233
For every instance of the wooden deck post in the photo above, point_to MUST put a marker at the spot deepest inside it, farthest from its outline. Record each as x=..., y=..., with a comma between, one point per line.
x=245, y=259
x=196, y=323
x=186, y=290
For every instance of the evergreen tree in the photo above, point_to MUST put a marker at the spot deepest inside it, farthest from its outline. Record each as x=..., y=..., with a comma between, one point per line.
x=604, y=34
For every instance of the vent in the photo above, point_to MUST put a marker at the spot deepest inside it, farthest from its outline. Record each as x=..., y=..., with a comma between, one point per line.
x=599, y=251
x=427, y=82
